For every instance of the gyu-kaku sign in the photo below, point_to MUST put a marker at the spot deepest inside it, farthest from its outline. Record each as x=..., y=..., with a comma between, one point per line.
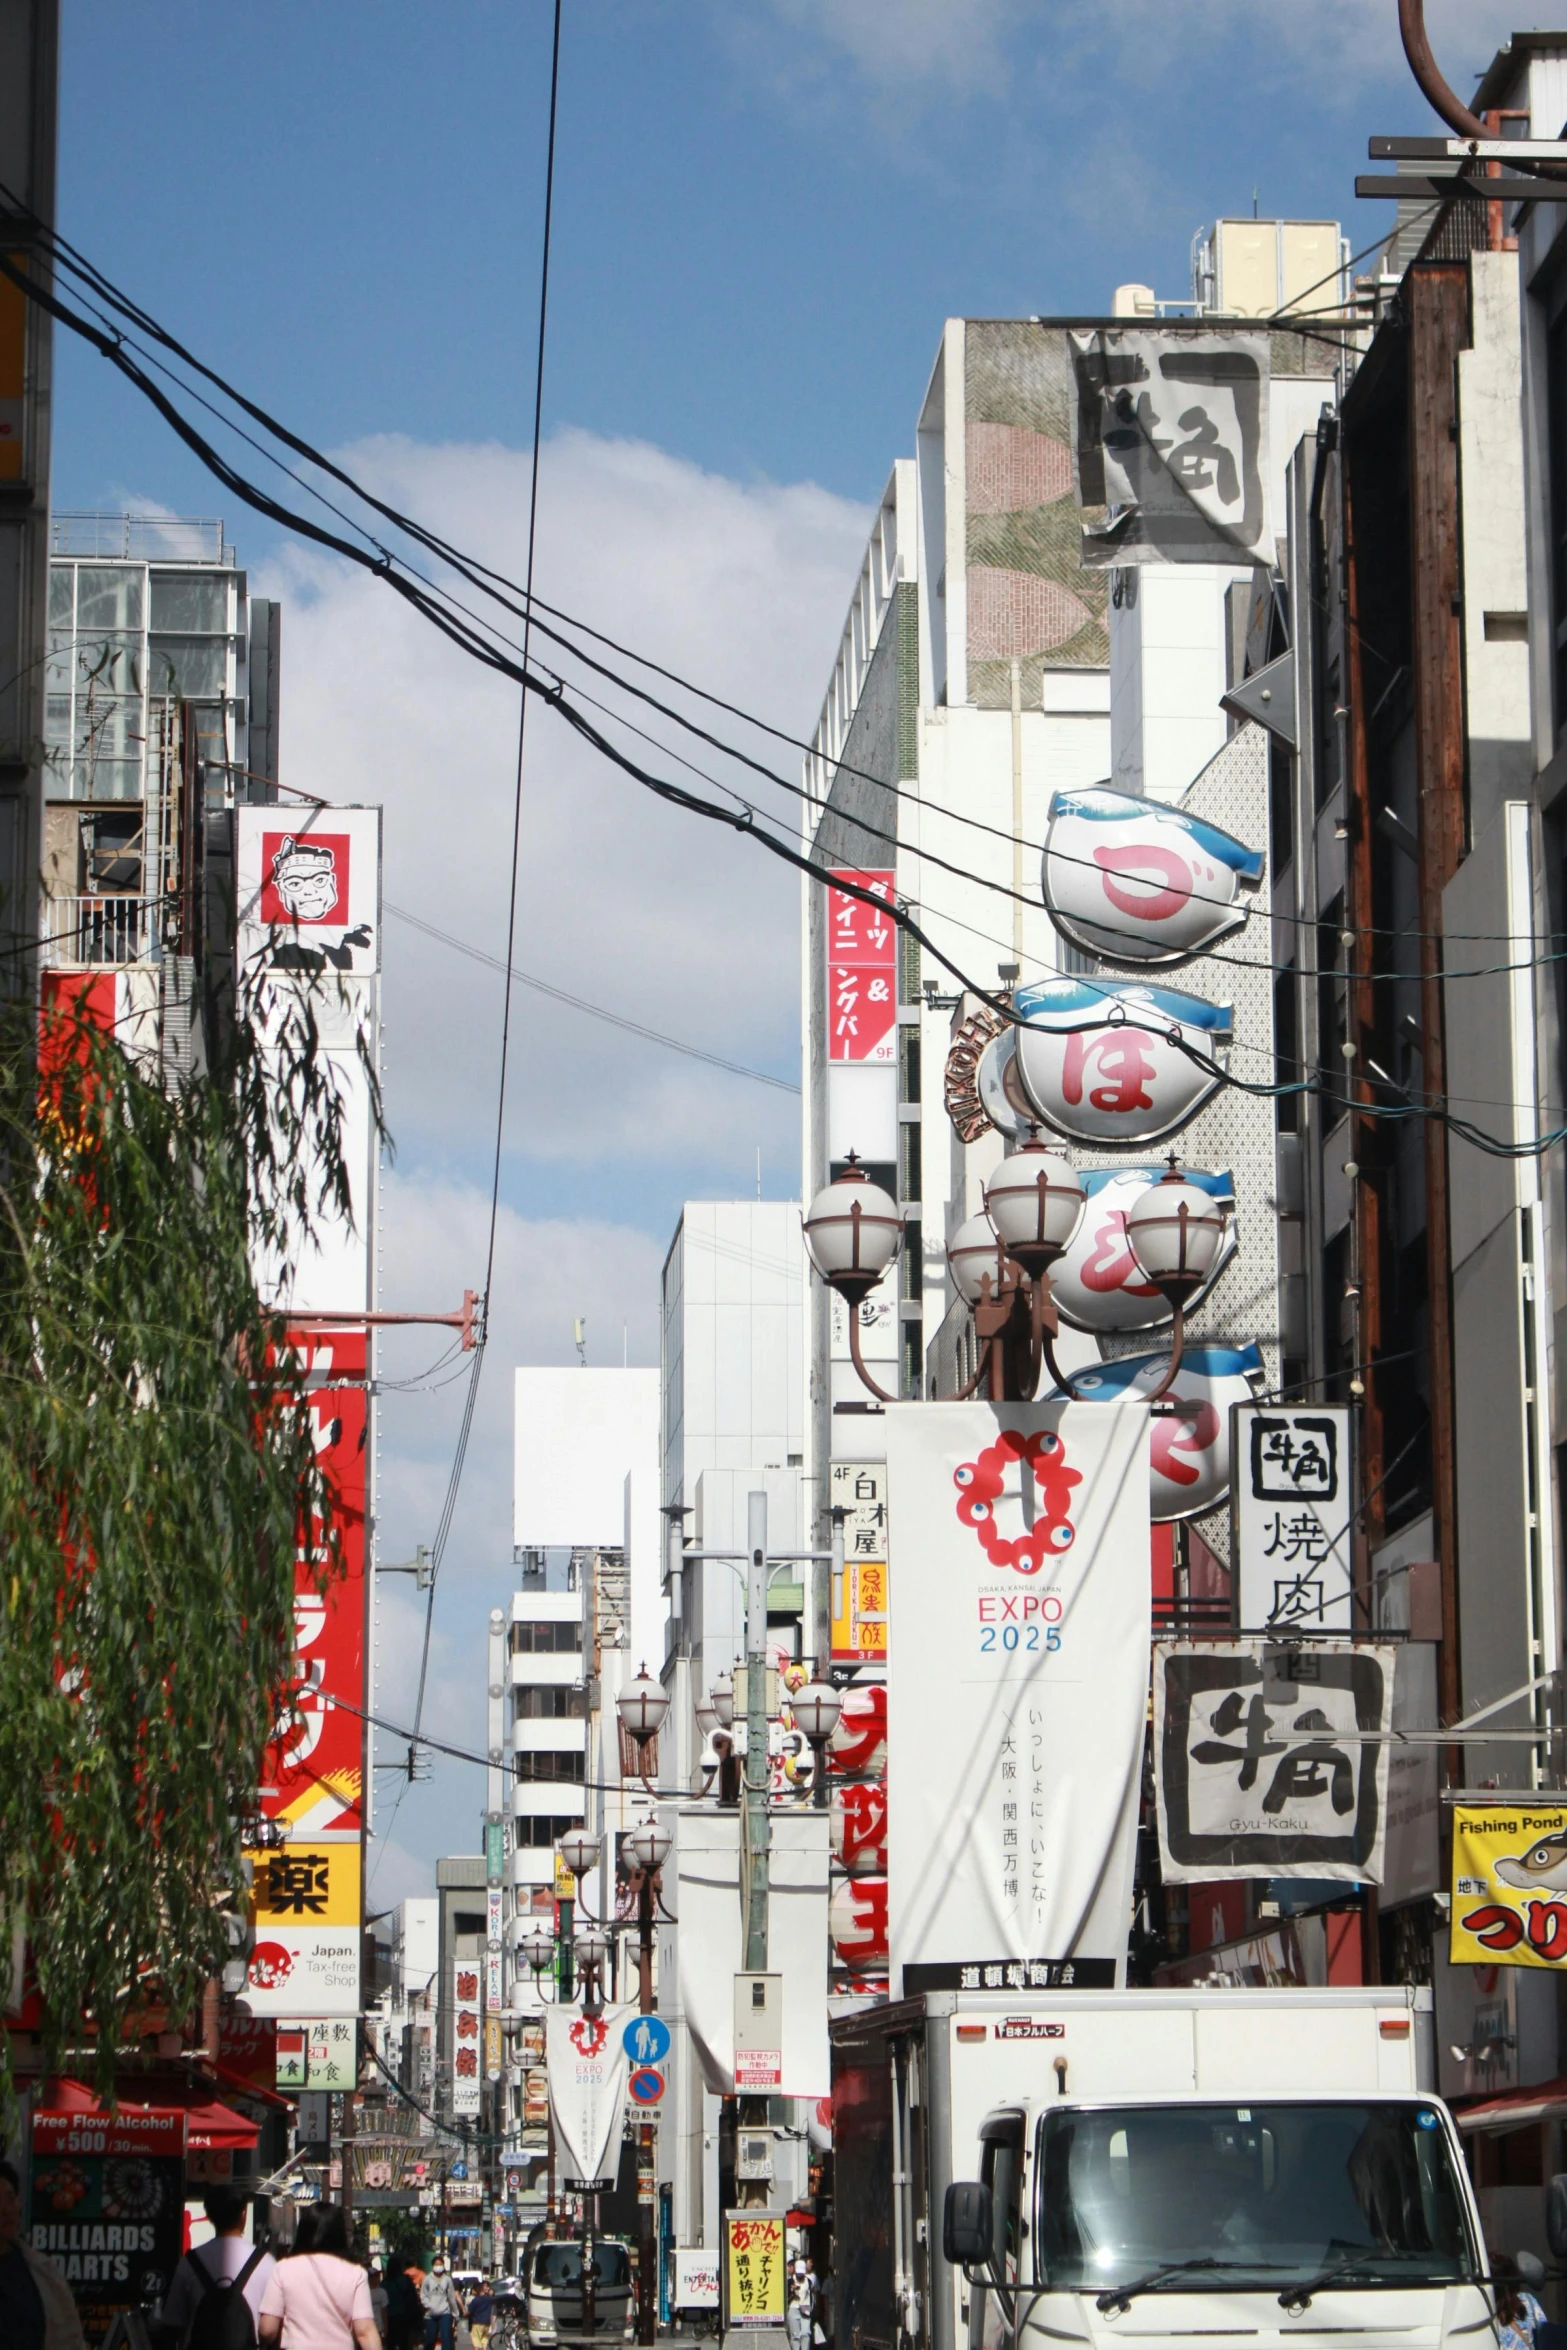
x=1291, y=1510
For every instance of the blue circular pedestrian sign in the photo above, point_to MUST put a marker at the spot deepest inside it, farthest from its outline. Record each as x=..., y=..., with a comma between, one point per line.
x=645, y=2039
x=646, y=2085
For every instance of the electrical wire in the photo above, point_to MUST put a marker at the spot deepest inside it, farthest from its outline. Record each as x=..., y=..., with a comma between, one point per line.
x=578, y=1003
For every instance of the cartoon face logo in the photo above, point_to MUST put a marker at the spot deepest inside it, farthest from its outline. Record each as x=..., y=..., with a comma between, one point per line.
x=1047, y=1484
x=588, y=2034
x=1544, y=1863
x=304, y=879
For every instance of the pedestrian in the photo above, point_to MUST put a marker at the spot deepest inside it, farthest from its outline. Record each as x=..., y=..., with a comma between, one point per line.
x=214, y=2296
x=481, y=2312
x=441, y=2304
x=797, y=2316
x=1518, y=2314
x=378, y=2301
x=36, y=2308
x=320, y=2299
x=404, y=2316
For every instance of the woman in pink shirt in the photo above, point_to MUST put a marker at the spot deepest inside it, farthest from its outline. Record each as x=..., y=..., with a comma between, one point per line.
x=320, y=2299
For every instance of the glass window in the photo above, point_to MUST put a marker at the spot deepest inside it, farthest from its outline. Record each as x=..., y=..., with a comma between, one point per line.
x=62, y=580
x=569, y=1767
x=109, y=664
x=551, y=1705
x=1285, y=2192
x=196, y=668
x=110, y=597
x=190, y=603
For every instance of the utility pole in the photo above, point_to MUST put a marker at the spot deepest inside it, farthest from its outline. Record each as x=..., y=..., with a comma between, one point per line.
x=757, y=1832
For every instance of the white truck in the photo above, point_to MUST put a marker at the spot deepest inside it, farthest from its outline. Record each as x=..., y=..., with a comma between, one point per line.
x=1026, y=2171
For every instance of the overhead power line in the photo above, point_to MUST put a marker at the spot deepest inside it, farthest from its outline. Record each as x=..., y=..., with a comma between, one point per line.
x=561, y=995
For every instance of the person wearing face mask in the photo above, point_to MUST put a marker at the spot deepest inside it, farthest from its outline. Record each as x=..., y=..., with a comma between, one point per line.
x=441, y=2305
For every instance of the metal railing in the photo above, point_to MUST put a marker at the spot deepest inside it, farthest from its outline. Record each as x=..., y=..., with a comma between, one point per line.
x=139, y=538
x=102, y=931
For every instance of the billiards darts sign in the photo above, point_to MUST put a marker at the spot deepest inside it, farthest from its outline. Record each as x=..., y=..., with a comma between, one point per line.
x=1097, y=1284
x=1138, y=882
x=1118, y=1066
x=1509, y=1885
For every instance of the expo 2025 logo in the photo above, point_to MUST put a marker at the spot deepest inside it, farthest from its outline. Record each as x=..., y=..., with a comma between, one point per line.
x=1040, y=1458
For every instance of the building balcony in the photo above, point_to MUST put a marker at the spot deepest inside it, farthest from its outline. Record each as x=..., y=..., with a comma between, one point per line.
x=101, y=932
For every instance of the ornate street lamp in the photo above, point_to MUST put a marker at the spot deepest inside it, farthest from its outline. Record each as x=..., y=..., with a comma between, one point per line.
x=1175, y=1232
x=642, y=1705
x=580, y=1850
x=721, y=1699
x=853, y=1232
x=817, y=1708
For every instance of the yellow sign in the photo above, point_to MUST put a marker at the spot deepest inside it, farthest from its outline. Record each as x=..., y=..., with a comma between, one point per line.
x=306, y=1884
x=859, y=1628
x=755, y=2270
x=1509, y=1885
x=565, y=1882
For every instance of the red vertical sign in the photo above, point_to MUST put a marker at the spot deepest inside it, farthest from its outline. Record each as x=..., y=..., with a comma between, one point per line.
x=314, y=1766
x=862, y=971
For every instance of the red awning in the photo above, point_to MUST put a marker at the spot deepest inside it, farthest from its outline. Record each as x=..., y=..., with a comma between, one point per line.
x=208, y=2124
x=1517, y=2109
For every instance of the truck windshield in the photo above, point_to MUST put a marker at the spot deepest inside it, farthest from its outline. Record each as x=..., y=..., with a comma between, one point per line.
x=557, y=2265
x=1288, y=2192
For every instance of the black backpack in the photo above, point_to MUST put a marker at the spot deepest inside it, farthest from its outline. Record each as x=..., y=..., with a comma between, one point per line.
x=223, y=2319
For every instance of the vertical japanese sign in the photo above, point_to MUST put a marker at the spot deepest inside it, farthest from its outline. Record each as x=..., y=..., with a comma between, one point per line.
x=467, y=2031
x=1272, y=1760
x=107, y=2207
x=755, y=2270
x=862, y=971
x=305, y=1905
x=1509, y=1885
x=306, y=1963
x=859, y=1604
x=1020, y=1623
x=1291, y=1508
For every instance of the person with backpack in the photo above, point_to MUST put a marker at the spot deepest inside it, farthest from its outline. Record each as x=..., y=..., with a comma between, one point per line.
x=214, y=2297
x=320, y=2299
x=404, y=2311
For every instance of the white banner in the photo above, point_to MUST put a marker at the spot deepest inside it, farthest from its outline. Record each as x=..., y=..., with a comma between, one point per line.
x=1172, y=440
x=586, y=2060
x=1272, y=1760
x=308, y=884
x=1292, y=1517
x=1020, y=1623
x=706, y=1953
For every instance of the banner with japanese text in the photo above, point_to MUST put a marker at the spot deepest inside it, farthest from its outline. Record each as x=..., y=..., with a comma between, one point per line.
x=862, y=971
x=1271, y=1760
x=1509, y=1885
x=756, y=2271
x=305, y=1906
x=1019, y=1626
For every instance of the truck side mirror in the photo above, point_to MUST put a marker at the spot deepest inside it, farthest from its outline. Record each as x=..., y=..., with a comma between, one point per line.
x=1556, y=2216
x=967, y=2228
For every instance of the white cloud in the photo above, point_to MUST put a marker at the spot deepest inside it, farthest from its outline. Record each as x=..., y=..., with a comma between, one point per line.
x=622, y=899
x=930, y=50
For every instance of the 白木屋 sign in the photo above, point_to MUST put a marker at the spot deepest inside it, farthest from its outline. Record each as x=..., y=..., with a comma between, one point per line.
x=1020, y=1626
x=1272, y=1760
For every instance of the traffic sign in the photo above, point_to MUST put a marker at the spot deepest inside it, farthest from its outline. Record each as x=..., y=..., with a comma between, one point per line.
x=646, y=2039
x=645, y=2086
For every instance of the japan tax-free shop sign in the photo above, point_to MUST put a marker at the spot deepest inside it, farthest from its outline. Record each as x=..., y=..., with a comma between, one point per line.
x=1019, y=1540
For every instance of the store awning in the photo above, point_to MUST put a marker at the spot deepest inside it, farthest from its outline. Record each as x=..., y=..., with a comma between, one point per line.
x=209, y=2125
x=1517, y=2109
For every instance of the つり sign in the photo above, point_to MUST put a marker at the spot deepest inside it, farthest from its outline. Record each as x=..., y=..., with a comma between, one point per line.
x=1509, y=1885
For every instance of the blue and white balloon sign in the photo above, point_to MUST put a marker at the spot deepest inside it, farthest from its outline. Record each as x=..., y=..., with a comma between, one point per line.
x=1117, y=1066
x=1138, y=882
x=1097, y=1284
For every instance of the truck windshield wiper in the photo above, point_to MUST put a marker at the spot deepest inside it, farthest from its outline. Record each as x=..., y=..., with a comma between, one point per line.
x=1122, y=2296
x=1352, y=2264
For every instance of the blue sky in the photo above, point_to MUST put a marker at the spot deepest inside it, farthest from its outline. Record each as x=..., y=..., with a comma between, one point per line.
x=765, y=208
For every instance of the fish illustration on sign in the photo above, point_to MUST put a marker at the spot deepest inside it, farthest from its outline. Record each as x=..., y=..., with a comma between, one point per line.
x=1189, y=1438
x=1118, y=1066
x=1545, y=1863
x=1137, y=882
x=1097, y=1284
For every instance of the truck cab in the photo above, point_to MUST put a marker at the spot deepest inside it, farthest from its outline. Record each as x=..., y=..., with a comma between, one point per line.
x=1207, y=2166
x=1273, y=2217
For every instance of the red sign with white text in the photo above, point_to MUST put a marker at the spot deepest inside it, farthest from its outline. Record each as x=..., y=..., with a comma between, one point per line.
x=862, y=971
x=314, y=1771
